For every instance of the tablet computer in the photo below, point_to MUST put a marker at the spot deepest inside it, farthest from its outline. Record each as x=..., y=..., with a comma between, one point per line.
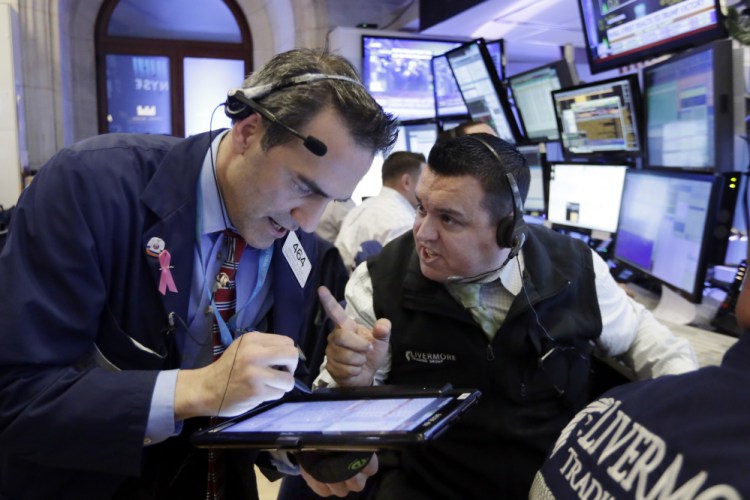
x=369, y=418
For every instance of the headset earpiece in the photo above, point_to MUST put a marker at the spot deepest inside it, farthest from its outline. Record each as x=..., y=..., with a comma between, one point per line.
x=235, y=109
x=518, y=230
x=505, y=232
x=511, y=231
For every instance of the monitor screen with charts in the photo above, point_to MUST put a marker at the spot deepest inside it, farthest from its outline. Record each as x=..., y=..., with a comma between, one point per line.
x=600, y=118
x=481, y=89
x=532, y=95
x=663, y=224
x=691, y=110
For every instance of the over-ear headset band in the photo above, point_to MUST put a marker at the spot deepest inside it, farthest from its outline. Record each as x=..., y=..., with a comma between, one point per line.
x=263, y=90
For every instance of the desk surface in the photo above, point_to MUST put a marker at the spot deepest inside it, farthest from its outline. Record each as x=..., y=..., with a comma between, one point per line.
x=709, y=346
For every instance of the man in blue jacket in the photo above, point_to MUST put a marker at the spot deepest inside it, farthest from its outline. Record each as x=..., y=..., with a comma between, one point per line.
x=107, y=277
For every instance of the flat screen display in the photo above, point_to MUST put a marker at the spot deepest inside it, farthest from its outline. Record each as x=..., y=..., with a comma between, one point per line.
x=398, y=73
x=689, y=111
x=480, y=86
x=532, y=95
x=662, y=227
x=585, y=196
x=416, y=137
x=599, y=117
x=622, y=32
x=448, y=100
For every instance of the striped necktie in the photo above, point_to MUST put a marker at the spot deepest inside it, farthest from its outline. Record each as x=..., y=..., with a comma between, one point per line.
x=225, y=302
x=225, y=294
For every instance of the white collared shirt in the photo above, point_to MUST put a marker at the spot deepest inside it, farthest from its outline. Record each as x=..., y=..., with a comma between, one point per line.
x=380, y=218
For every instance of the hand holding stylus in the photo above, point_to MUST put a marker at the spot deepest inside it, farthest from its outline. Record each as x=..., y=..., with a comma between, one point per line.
x=354, y=352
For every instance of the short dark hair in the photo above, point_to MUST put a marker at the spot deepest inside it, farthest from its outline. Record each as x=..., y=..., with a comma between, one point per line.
x=399, y=163
x=296, y=105
x=466, y=155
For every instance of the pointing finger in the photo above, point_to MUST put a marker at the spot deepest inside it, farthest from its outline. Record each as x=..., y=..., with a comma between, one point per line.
x=334, y=310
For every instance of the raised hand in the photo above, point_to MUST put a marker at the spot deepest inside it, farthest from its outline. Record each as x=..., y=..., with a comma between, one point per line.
x=354, y=352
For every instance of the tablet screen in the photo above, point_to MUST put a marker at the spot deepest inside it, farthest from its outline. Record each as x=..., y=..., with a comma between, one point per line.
x=349, y=419
x=367, y=415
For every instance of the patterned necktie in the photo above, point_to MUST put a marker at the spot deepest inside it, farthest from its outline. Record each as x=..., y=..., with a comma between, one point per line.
x=225, y=302
x=470, y=297
x=225, y=289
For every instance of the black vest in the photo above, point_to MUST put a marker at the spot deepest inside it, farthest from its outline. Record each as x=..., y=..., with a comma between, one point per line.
x=534, y=375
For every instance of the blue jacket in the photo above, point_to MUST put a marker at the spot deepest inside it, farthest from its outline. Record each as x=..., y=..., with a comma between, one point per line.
x=74, y=274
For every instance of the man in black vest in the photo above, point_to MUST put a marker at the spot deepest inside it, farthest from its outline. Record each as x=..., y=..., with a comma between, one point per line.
x=475, y=298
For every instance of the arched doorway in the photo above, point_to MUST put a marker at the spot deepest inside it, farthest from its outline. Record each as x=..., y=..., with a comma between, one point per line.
x=162, y=67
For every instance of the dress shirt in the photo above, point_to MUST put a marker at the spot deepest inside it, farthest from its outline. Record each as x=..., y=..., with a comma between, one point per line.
x=195, y=347
x=629, y=330
x=332, y=218
x=380, y=218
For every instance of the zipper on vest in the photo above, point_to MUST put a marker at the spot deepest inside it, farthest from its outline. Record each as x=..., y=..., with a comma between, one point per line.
x=490, y=353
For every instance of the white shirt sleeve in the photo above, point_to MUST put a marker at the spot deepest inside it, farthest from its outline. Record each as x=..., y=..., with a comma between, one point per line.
x=359, y=307
x=631, y=332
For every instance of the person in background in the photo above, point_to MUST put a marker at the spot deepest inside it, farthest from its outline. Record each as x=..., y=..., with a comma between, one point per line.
x=332, y=218
x=683, y=436
x=465, y=128
x=379, y=219
x=475, y=298
x=111, y=338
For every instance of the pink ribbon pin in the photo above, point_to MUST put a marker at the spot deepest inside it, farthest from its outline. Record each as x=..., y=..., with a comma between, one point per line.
x=166, y=281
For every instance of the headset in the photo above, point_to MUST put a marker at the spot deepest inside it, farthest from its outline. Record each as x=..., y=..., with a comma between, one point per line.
x=242, y=102
x=511, y=231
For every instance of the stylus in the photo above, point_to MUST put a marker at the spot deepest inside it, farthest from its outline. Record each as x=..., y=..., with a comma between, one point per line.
x=302, y=387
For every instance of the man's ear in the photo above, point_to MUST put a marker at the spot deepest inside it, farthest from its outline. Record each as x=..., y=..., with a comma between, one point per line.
x=245, y=131
x=406, y=181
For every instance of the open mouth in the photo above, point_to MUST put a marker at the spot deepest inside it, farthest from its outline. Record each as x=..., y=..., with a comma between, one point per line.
x=278, y=228
x=427, y=254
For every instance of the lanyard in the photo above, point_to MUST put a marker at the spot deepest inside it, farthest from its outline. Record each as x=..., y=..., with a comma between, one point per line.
x=264, y=263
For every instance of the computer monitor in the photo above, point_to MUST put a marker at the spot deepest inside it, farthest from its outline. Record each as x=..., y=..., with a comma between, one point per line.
x=585, y=197
x=482, y=90
x=398, y=73
x=536, y=199
x=600, y=118
x=691, y=116
x=416, y=136
x=663, y=229
x=620, y=33
x=532, y=95
x=448, y=100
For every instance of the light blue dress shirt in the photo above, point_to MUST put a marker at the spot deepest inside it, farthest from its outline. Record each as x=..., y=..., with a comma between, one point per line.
x=195, y=348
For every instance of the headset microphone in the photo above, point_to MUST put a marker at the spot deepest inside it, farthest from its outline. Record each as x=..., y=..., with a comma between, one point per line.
x=237, y=108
